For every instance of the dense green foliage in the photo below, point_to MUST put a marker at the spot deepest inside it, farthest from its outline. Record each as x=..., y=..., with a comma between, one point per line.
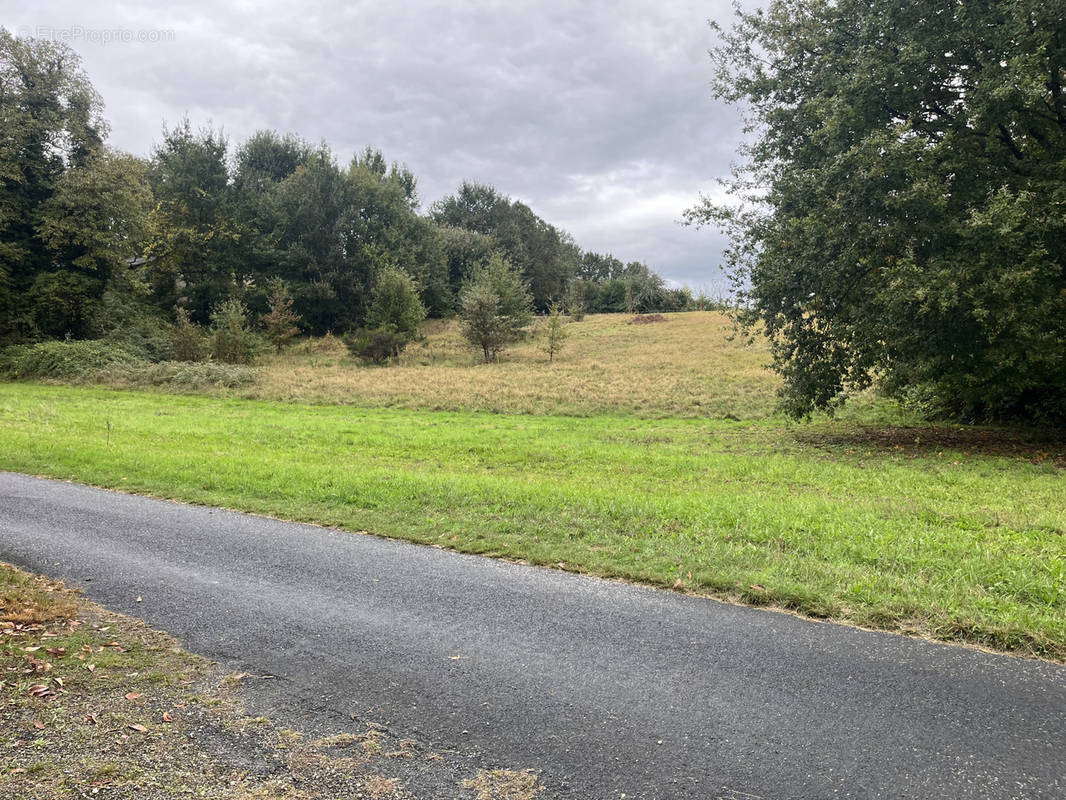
x=393, y=320
x=232, y=341
x=902, y=214
x=66, y=360
x=280, y=320
x=395, y=304
x=495, y=307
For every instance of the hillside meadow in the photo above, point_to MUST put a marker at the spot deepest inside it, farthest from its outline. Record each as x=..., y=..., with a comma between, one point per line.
x=644, y=452
x=688, y=366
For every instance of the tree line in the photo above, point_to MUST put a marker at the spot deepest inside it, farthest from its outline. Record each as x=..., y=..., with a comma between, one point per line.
x=93, y=240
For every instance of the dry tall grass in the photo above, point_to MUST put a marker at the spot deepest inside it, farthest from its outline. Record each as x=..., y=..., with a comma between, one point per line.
x=684, y=366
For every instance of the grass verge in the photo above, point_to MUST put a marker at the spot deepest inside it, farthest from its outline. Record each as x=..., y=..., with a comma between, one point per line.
x=925, y=530
x=95, y=704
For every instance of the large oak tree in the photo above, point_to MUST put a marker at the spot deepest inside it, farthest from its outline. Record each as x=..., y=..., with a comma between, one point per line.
x=901, y=215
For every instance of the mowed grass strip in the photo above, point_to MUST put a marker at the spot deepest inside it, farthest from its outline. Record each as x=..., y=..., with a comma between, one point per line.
x=950, y=543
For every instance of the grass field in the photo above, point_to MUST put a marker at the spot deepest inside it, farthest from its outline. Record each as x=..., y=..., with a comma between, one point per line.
x=953, y=533
x=686, y=367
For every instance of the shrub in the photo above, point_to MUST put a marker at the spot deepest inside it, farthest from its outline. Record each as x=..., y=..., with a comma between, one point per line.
x=187, y=339
x=65, y=360
x=147, y=337
x=232, y=342
x=376, y=344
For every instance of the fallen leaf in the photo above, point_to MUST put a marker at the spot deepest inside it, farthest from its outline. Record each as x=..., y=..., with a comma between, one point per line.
x=133, y=726
x=17, y=771
x=92, y=719
x=757, y=587
x=91, y=667
x=38, y=725
x=134, y=695
x=31, y=649
x=56, y=651
x=168, y=717
x=677, y=583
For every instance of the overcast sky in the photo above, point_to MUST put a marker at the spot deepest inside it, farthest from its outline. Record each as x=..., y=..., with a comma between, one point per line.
x=596, y=114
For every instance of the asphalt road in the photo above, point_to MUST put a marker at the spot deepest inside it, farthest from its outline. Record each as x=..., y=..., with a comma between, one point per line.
x=602, y=687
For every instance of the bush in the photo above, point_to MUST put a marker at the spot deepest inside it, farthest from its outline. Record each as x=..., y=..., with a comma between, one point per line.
x=66, y=360
x=376, y=344
x=146, y=337
x=187, y=339
x=232, y=342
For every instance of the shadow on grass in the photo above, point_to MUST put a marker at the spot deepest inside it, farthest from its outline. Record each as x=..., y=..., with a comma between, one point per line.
x=1039, y=446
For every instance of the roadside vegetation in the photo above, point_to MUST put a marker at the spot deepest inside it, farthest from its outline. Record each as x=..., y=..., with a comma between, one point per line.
x=96, y=704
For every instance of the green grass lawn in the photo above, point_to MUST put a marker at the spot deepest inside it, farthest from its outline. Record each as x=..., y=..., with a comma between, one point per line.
x=952, y=534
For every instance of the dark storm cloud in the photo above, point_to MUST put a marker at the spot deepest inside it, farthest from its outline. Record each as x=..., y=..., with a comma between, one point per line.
x=596, y=114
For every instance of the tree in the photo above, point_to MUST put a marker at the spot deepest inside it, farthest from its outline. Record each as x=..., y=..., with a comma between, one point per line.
x=902, y=212
x=94, y=226
x=50, y=118
x=393, y=320
x=192, y=247
x=598, y=267
x=280, y=321
x=232, y=342
x=555, y=332
x=395, y=304
x=546, y=256
x=317, y=256
x=495, y=307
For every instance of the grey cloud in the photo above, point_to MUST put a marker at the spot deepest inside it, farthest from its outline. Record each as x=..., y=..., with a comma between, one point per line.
x=597, y=114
